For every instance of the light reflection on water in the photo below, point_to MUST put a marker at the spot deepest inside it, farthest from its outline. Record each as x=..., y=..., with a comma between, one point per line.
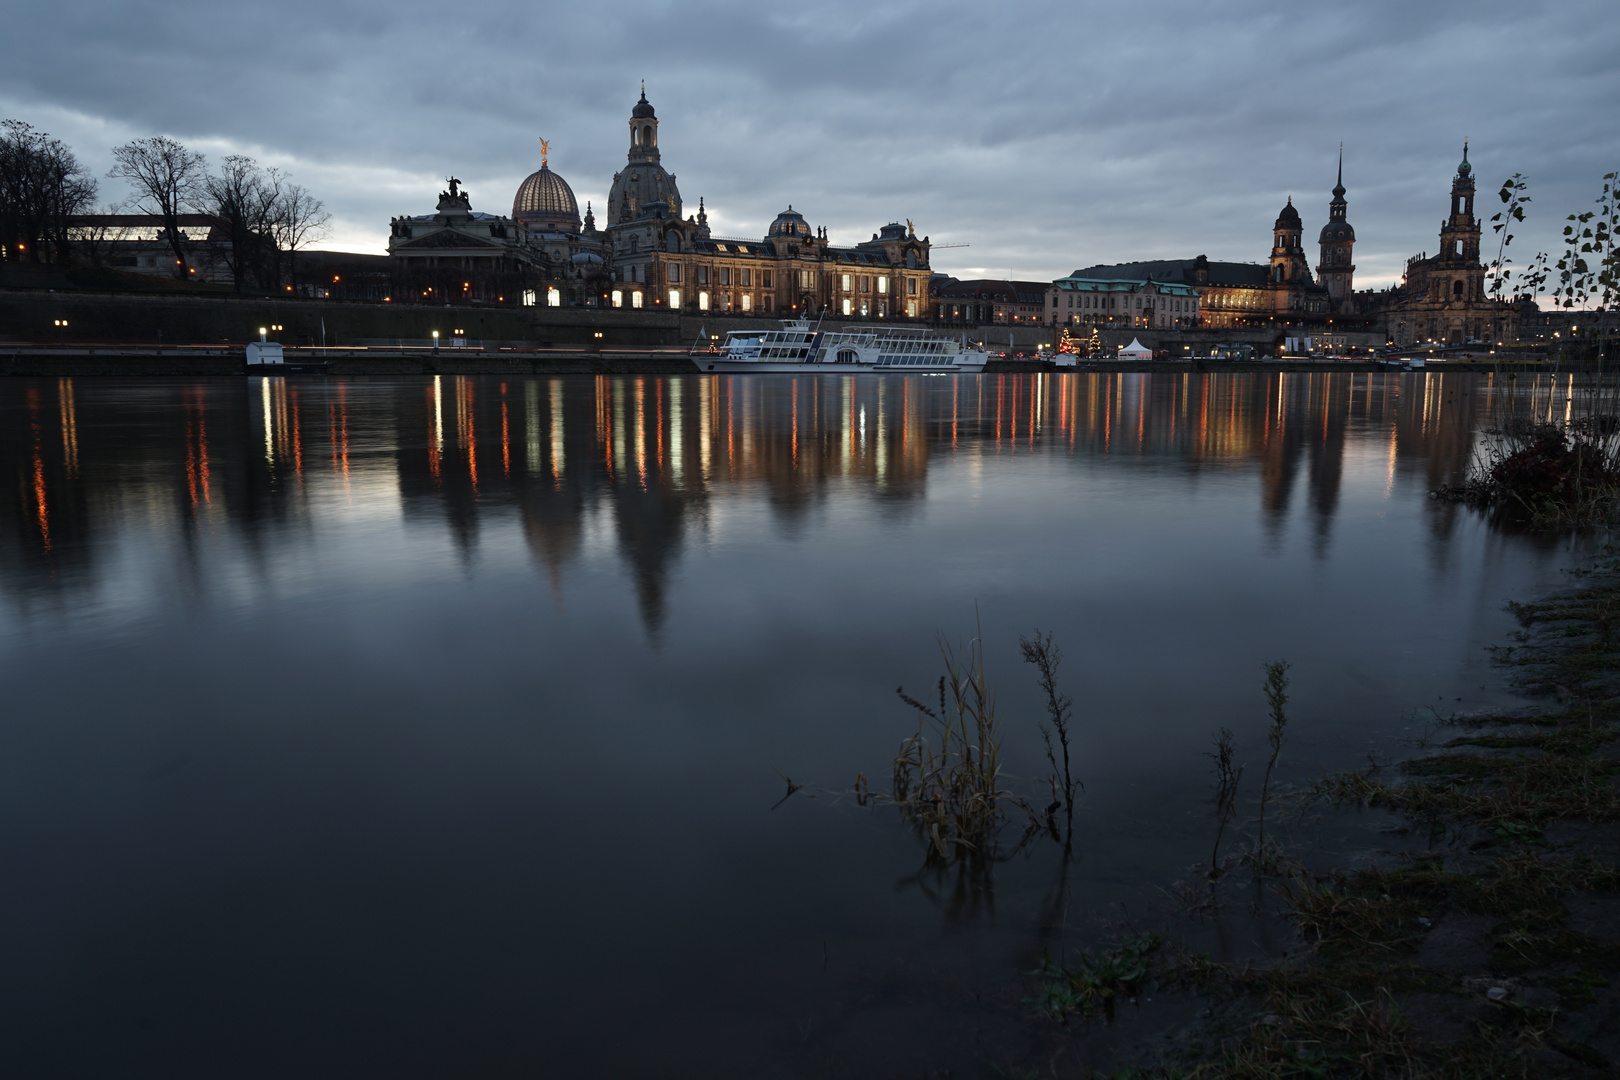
x=404, y=720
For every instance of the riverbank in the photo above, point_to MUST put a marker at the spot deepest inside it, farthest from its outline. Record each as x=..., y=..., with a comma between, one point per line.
x=1490, y=946
x=228, y=360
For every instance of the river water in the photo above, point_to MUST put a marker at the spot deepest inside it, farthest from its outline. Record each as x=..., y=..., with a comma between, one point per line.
x=427, y=727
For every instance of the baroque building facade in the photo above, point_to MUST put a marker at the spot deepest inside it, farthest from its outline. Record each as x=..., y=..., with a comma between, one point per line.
x=648, y=255
x=659, y=259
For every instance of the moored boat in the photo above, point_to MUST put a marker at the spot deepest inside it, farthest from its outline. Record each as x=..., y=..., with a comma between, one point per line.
x=796, y=347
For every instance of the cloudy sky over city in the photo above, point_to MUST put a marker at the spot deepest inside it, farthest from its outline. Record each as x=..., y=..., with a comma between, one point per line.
x=1045, y=137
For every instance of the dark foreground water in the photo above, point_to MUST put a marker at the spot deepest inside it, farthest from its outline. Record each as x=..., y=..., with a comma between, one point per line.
x=398, y=728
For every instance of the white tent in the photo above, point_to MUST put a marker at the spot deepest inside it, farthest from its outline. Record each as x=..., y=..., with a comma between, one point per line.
x=1136, y=351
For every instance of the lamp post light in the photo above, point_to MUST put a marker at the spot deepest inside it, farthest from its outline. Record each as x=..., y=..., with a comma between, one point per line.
x=435, y=343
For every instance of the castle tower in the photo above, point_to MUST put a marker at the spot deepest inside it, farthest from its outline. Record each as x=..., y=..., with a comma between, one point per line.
x=1336, y=269
x=1288, y=263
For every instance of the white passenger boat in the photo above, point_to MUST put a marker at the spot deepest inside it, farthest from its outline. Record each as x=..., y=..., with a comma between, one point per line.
x=798, y=348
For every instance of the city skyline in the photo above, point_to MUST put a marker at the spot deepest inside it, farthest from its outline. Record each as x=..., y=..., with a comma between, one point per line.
x=1148, y=139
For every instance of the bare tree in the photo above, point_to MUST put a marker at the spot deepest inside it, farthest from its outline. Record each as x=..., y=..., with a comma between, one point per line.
x=94, y=238
x=246, y=198
x=42, y=186
x=300, y=219
x=166, y=179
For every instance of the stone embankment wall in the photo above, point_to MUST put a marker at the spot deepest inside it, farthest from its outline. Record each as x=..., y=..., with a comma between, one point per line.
x=30, y=315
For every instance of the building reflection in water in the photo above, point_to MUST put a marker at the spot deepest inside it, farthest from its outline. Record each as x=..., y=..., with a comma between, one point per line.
x=637, y=463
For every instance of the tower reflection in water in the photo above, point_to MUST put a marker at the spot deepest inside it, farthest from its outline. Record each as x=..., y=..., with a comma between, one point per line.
x=640, y=463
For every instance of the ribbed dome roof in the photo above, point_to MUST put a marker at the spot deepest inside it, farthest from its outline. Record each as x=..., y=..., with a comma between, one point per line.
x=643, y=108
x=1289, y=218
x=544, y=198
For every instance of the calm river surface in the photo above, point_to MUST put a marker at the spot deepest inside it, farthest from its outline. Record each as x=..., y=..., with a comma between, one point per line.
x=431, y=727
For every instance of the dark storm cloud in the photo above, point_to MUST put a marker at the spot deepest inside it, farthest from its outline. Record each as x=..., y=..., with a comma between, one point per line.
x=1045, y=136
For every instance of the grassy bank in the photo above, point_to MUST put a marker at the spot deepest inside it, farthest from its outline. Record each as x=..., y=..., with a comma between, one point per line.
x=1492, y=952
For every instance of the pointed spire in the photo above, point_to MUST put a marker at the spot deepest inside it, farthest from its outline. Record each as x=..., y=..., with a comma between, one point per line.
x=1338, y=187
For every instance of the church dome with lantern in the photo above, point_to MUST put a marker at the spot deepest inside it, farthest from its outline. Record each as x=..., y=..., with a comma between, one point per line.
x=545, y=202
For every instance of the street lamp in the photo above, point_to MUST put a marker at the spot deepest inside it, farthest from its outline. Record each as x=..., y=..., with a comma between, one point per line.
x=435, y=343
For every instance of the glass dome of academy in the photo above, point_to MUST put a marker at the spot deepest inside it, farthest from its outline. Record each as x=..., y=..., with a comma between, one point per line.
x=647, y=254
x=545, y=199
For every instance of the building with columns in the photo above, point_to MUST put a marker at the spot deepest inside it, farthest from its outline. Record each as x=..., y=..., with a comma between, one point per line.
x=1119, y=303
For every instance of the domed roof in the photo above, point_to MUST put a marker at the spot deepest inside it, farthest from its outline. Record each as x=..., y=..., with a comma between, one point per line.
x=643, y=108
x=789, y=223
x=640, y=190
x=1464, y=169
x=1289, y=218
x=544, y=198
x=1337, y=230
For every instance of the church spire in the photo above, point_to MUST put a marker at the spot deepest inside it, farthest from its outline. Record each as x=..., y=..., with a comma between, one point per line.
x=1338, y=188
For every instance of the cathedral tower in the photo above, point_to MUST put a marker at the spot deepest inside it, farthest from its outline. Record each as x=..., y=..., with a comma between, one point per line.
x=1459, y=239
x=1338, y=240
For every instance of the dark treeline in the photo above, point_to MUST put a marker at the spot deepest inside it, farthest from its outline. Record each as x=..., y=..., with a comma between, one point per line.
x=256, y=217
x=42, y=187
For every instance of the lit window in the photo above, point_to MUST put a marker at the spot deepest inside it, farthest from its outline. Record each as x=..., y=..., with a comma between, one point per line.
x=675, y=298
x=528, y=298
x=846, y=303
x=845, y=284
x=747, y=302
x=703, y=301
x=883, y=285
x=618, y=297
x=553, y=297
x=635, y=299
x=911, y=308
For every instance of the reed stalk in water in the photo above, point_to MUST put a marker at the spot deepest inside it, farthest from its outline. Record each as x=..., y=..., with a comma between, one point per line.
x=1046, y=657
x=1227, y=775
x=1276, y=689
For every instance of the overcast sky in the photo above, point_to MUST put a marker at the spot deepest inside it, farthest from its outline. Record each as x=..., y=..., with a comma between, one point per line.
x=1044, y=136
